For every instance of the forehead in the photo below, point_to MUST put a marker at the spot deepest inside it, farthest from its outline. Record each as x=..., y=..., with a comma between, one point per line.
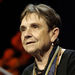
x=33, y=18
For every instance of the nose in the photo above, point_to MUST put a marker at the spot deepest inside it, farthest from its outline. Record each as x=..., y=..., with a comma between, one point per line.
x=28, y=34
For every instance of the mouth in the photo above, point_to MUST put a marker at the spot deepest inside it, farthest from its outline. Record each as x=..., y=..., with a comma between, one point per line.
x=30, y=42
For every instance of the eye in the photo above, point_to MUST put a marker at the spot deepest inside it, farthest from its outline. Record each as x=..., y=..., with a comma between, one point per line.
x=22, y=28
x=35, y=25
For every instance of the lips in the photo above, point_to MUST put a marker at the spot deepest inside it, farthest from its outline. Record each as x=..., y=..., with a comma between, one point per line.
x=30, y=42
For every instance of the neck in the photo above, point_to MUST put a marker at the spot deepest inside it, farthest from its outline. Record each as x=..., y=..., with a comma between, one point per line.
x=41, y=61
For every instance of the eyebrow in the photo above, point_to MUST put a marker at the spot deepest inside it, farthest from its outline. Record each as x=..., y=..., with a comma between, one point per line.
x=35, y=24
x=32, y=24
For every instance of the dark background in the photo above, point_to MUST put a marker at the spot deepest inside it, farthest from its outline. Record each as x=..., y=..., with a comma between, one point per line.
x=10, y=11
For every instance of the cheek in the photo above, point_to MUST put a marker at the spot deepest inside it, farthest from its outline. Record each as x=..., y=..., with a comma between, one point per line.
x=43, y=38
x=22, y=37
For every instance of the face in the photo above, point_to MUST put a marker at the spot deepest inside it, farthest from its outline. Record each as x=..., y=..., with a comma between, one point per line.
x=34, y=33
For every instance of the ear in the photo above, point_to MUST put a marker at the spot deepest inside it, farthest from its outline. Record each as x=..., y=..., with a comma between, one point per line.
x=54, y=34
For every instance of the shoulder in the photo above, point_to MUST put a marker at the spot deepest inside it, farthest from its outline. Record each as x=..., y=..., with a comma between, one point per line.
x=28, y=70
x=69, y=51
x=67, y=63
x=71, y=63
x=69, y=55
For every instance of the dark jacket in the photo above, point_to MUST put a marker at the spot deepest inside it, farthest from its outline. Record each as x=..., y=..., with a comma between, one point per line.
x=66, y=66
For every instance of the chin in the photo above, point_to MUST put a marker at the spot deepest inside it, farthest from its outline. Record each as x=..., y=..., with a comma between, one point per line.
x=30, y=50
